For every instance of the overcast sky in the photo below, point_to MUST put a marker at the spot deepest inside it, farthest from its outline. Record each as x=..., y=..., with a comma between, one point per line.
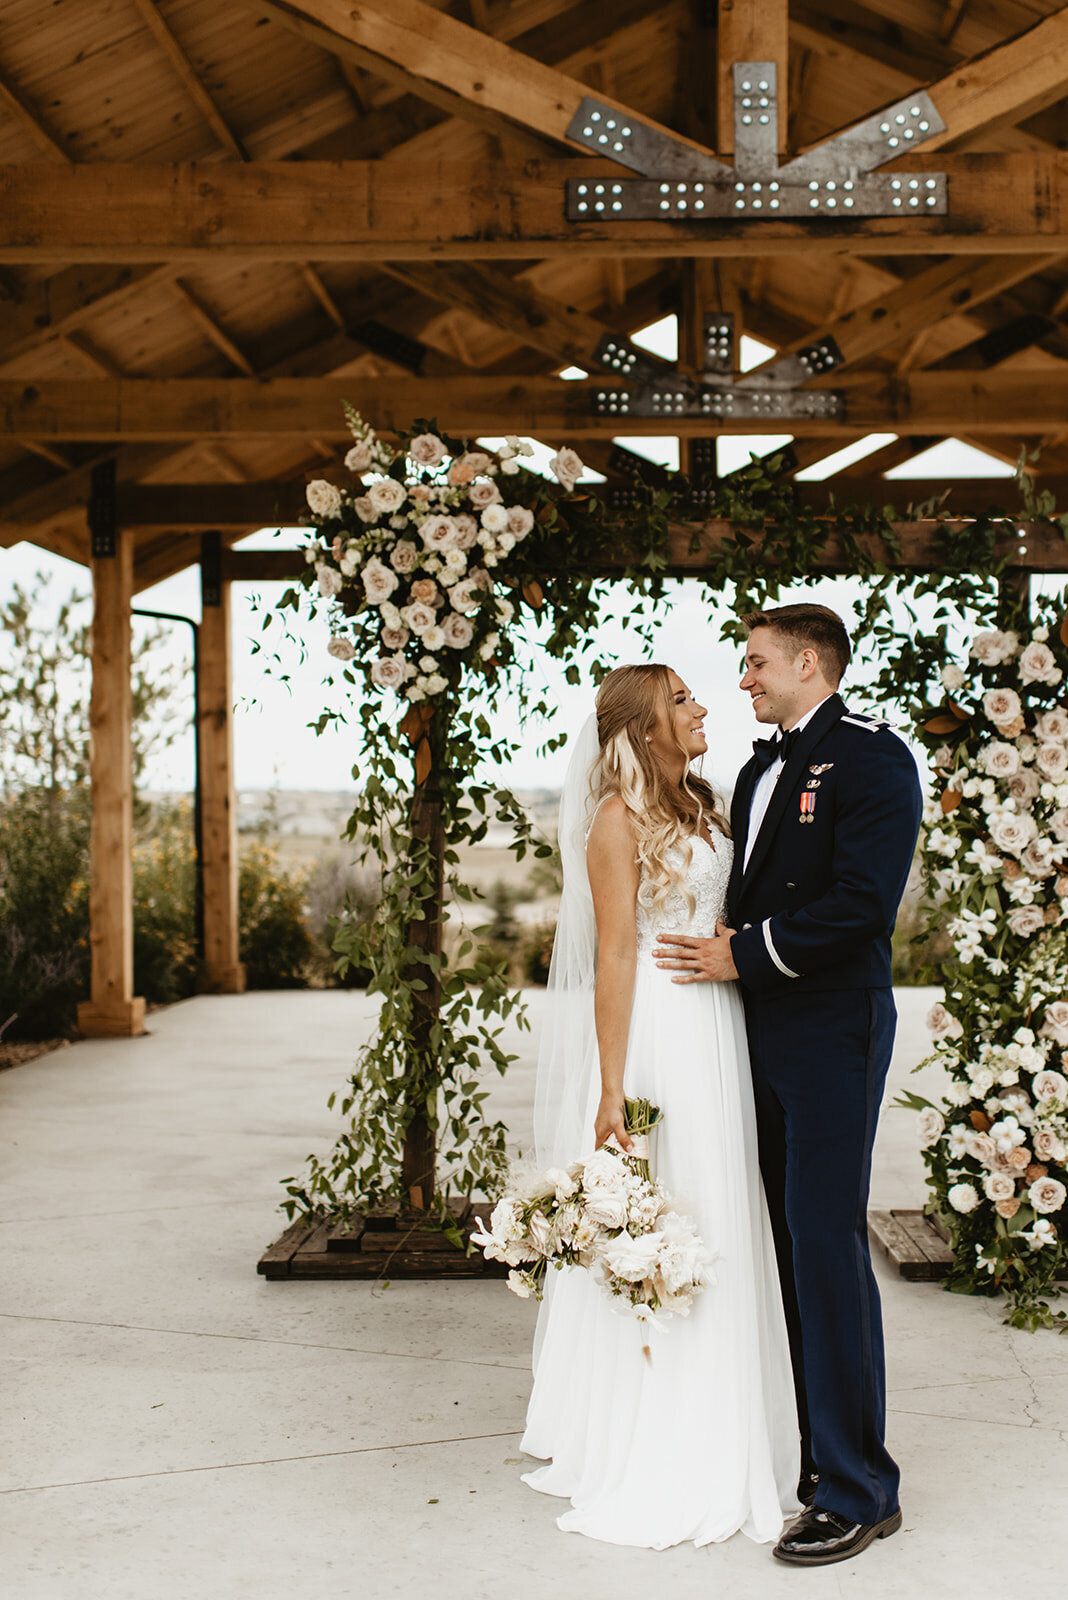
x=275, y=747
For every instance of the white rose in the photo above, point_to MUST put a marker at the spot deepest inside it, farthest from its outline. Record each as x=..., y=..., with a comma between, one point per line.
x=1038, y=664
x=953, y=679
x=1024, y=786
x=433, y=639
x=632, y=1259
x=1048, y=1147
x=1050, y=1085
x=468, y=466
x=1001, y=760
x=932, y=1125
x=466, y=530
x=427, y=449
x=466, y=595
x=360, y=456
x=942, y=1024
x=364, y=509
x=435, y=683
x=403, y=556
x=1025, y=920
x=1012, y=831
x=1047, y=1195
x=329, y=581
x=607, y=1208
x=1058, y=825
x=457, y=631
x=1052, y=759
x=495, y=519
x=439, y=532
x=1052, y=724
x=520, y=521
x=341, y=649
x=963, y=1197
x=1055, y=1026
x=419, y=617
x=379, y=581
x=567, y=467
x=994, y=647
x=323, y=499
x=394, y=638
x=1002, y=705
x=387, y=496
x=483, y=494
x=488, y=646
x=505, y=610
x=389, y=672
x=998, y=1186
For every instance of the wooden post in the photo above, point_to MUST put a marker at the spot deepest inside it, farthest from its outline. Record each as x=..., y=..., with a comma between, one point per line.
x=750, y=30
x=223, y=971
x=705, y=285
x=112, y=1009
x=428, y=835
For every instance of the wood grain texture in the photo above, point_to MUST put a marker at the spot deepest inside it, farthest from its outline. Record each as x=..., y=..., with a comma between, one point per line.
x=223, y=972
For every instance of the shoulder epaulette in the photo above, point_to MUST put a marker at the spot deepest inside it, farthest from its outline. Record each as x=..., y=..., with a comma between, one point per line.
x=869, y=724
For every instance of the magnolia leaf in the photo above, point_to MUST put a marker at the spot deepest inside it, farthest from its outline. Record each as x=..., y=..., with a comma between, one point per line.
x=951, y=799
x=532, y=594
x=959, y=712
x=980, y=1121
x=1064, y=629
x=423, y=762
x=944, y=722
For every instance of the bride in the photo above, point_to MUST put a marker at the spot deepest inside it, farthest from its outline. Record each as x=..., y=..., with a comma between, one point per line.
x=702, y=1441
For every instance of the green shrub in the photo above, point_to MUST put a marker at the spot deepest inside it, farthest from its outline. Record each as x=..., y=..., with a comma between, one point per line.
x=274, y=939
x=44, y=911
x=164, y=891
x=339, y=894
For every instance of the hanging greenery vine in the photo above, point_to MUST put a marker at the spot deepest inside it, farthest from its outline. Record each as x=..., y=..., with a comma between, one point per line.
x=439, y=566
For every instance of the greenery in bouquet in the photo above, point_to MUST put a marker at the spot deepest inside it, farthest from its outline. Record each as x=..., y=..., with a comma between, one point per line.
x=995, y=862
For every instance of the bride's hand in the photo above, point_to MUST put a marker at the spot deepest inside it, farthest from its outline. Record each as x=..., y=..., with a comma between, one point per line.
x=611, y=1119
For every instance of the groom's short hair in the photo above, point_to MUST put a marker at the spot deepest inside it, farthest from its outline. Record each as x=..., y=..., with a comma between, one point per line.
x=809, y=627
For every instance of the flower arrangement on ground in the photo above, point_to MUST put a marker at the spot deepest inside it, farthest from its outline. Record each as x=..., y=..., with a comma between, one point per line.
x=608, y=1215
x=995, y=852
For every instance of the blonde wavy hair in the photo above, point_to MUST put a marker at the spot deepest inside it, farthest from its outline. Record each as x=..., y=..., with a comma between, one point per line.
x=665, y=812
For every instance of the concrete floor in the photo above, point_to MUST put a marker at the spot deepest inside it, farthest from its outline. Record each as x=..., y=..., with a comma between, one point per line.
x=177, y=1428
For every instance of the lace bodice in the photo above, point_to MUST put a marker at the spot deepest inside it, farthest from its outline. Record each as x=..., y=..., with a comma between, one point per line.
x=706, y=877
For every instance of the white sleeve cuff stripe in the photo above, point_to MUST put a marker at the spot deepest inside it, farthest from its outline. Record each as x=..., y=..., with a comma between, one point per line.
x=774, y=954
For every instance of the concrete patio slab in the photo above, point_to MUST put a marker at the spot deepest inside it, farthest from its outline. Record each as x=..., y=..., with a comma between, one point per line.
x=179, y=1429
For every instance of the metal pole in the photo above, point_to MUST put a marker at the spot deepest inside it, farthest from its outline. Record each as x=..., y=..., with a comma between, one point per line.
x=198, y=827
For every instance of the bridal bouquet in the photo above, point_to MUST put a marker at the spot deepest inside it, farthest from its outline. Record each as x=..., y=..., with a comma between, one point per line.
x=607, y=1214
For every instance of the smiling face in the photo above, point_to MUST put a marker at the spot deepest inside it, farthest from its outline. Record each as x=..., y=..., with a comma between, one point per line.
x=678, y=734
x=781, y=685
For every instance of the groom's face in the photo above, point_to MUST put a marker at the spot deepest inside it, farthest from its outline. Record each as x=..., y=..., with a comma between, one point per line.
x=774, y=679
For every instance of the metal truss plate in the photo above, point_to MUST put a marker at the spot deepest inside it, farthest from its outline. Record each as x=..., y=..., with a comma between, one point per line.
x=815, y=359
x=648, y=199
x=756, y=119
x=606, y=131
x=616, y=353
x=884, y=137
x=683, y=398
x=719, y=342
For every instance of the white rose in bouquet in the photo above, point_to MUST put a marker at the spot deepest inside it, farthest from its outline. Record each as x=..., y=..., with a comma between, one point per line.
x=394, y=638
x=1050, y=1085
x=1053, y=725
x=341, y=649
x=1055, y=1024
x=629, y=1258
x=466, y=530
x=1012, y=831
x=567, y=467
x=994, y=647
x=1024, y=786
x=953, y=678
x=963, y=1197
x=457, y=631
x=419, y=617
x=932, y=1125
x=1000, y=760
x=402, y=557
x=466, y=596
x=1002, y=705
x=1058, y=825
x=433, y=639
x=468, y=467
x=1038, y=664
x=539, y=1230
x=387, y=496
x=438, y=532
x=1052, y=760
x=379, y=581
x=520, y=521
x=941, y=1023
x=323, y=498
x=426, y=592
x=1048, y=1146
x=483, y=493
x=389, y=672
x=364, y=509
x=360, y=456
x=329, y=580
x=1047, y=1195
x=427, y=450
x=494, y=519
x=1025, y=920
x=998, y=1186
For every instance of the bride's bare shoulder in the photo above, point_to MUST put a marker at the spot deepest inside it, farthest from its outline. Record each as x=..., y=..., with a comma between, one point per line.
x=612, y=832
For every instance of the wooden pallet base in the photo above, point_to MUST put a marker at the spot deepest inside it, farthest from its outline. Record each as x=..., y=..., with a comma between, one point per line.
x=387, y=1244
x=913, y=1244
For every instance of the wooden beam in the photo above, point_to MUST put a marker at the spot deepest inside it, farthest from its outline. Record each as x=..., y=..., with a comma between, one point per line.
x=31, y=120
x=62, y=303
x=223, y=971
x=210, y=505
x=208, y=325
x=750, y=30
x=450, y=64
x=322, y=294
x=1003, y=85
x=287, y=211
x=205, y=408
x=188, y=74
x=112, y=1008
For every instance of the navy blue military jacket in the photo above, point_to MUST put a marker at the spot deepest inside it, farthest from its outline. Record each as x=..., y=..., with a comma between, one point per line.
x=815, y=907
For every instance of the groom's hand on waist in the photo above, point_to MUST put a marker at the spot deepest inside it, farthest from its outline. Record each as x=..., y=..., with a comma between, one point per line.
x=697, y=960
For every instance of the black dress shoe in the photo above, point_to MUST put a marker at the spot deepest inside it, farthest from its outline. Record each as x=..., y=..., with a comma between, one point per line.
x=819, y=1537
x=807, y=1485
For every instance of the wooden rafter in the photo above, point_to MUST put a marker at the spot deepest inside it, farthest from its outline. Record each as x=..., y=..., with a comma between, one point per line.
x=31, y=120
x=63, y=303
x=750, y=30
x=286, y=211
x=211, y=327
x=197, y=408
x=190, y=78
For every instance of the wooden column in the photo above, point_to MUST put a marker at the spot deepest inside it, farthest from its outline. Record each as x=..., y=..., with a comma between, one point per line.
x=112, y=1008
x=750, y=30
x=706, y=284
x=223, y=971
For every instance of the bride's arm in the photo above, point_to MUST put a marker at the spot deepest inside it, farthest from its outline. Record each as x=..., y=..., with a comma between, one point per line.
x=613, y=872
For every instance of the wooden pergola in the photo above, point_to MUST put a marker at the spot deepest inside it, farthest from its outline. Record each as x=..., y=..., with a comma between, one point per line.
x=216, y=222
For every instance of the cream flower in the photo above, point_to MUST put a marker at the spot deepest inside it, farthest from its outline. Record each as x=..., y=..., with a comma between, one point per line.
x=1048, y=1147
x=1052, y=760
x=466, y=596
x=998, y=1186
x=467, y=467
x=457, y=630
x=426, y=591
x=433, y=639
x=953, y=678
x=1058, y=825
x=483, y=494
x=1038, y=664
x=379, y=581
x=963, y=1197
x=389, y=672
x=394, y=638
x=1055, y=1024
x=360, y=456
x=364, y=509
x=495, y=519
x=1024, y=786
x=981, y=1147
x=1047, y=1195
x=1000, y=760
x=329, y=581
x=1050, y=1085
x=402, y=557
x=994, y=647
x=1053, y=725
x=932, y=1125
x=418, y=616
x=1007, y=1208
x=323, y=498
x=942, y=1024
x=1002, y=705
x=520, y=521
x=1038, y=859
x=1012, y=831
x=466, y=530
x=1025, y=920
x=567, y=467
x=427, y=450
x=341, y=649
x=387, y=496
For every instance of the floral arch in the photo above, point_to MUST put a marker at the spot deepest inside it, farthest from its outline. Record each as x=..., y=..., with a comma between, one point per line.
x=424, y=562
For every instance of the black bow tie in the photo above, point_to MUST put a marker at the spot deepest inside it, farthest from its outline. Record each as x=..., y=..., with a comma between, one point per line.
x=768, y=750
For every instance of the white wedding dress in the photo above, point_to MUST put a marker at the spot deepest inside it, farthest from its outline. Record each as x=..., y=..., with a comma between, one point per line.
x=702, y=1441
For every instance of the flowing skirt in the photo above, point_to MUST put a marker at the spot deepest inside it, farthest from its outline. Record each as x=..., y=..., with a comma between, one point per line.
x=700, y=1442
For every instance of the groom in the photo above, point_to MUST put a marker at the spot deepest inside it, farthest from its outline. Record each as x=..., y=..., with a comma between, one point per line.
x=824, y=818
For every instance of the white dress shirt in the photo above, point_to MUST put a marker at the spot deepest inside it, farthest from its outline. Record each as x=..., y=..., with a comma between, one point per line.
x=765, y=787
